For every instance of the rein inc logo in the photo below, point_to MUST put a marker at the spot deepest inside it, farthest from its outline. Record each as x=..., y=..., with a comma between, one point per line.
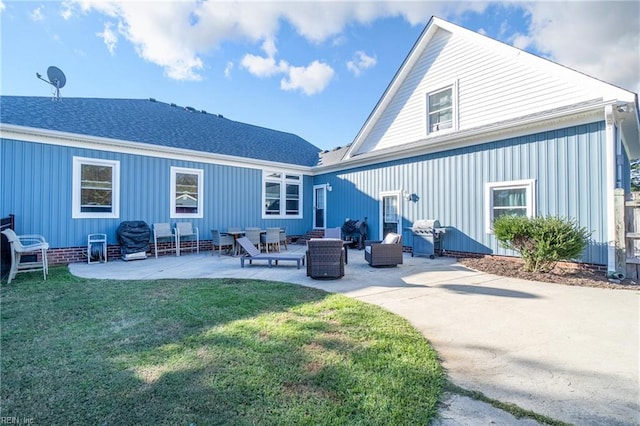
x=17, y=421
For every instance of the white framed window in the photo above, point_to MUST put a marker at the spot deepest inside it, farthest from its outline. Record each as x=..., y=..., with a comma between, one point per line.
x=186, y=193
x=509, y=198
x=442, y=105
x=95, y=188
x=281, y=195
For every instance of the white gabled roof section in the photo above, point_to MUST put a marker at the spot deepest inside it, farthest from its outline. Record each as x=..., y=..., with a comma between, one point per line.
x=494, y=82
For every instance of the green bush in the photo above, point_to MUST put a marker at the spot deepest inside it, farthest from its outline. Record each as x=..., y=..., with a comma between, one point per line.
x=541, y=241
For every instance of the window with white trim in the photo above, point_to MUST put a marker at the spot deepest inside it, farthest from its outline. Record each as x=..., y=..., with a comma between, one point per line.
x=186, y=193
x=509, y=198
x=441, y=109
x=95, y=188
x=282, y=195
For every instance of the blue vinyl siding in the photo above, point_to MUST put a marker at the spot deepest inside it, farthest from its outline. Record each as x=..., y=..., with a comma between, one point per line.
x=567, y=164
x=37, y=188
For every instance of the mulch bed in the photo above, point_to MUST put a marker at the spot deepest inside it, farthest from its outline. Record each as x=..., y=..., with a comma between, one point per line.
x=567, y=276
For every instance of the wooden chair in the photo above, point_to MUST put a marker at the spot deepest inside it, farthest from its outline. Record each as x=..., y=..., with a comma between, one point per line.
x=253, y=235
x=271, y=238
x=283, y=237
x=218, y=239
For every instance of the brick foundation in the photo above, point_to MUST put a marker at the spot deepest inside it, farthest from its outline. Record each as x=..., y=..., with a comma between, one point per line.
x=64, y=256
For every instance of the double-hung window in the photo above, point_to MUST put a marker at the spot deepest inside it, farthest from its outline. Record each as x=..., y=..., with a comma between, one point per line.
x=95, y=188
x=441, y=109
x=282, y=195
x=186, y=193
x=509, y=198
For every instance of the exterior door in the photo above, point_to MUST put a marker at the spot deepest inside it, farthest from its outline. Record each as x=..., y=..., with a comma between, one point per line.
x=390, y=214
x=319, y=206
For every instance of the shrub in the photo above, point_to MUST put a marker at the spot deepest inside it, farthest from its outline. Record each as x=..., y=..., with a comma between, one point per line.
x=541, y=241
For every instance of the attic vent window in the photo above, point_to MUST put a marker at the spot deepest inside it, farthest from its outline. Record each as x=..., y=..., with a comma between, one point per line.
x=190, y=109
x=173, y=105
x=152, y=99
x=441, y=109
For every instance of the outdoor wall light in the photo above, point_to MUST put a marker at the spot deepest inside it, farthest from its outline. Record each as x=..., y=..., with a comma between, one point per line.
x=329, y=187
x=410, y=197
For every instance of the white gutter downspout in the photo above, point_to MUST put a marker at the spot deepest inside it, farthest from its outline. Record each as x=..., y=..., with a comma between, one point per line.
x=610, y=183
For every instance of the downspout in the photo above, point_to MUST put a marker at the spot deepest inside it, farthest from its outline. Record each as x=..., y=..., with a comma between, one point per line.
x=611, y=163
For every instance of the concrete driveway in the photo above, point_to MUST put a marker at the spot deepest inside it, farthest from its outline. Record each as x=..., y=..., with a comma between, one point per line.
x=569, y=353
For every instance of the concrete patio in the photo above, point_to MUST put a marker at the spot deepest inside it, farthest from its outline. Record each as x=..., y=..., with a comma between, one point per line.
x=569, y=353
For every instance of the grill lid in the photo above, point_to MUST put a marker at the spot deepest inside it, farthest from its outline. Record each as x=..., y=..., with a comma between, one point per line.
x=426, y=224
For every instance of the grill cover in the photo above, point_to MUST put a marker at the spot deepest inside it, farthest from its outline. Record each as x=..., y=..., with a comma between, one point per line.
x=133, y=237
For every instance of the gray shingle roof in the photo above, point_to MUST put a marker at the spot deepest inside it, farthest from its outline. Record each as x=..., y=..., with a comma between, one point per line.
x=150, y=121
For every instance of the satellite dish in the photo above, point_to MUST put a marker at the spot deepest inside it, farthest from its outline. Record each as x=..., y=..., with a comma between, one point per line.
x=56, y=78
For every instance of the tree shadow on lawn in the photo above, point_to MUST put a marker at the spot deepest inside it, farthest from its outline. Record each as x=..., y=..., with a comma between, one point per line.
x=226, y=351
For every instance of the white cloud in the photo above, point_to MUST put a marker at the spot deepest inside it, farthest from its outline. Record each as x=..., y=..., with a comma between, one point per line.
x=36, y=14
x=109, y=37
x=263, y=67
x=228, y=69
x=361, y=61
x=600, y=39
x=310, y=80
x=2, y=6
x=67, y=10
x=175, y=34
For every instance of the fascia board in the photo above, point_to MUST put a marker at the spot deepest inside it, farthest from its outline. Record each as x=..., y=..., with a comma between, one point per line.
x=52, y=137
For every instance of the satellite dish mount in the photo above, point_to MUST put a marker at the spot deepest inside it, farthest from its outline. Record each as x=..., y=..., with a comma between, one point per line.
x=56, y=79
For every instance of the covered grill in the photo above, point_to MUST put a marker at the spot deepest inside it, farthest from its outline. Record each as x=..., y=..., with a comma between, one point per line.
x=355, y=230
x=133, y=237
x=426, y=238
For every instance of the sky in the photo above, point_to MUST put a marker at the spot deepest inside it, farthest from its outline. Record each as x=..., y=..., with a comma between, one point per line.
x=315, y=68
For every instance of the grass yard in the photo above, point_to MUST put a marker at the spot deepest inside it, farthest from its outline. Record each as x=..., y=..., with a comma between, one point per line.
x=206, y=352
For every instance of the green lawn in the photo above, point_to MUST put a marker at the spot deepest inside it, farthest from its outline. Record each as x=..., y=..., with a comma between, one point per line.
x=207, y=351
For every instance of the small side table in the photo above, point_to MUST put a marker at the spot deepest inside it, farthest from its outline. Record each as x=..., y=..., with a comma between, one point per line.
x=99, y=242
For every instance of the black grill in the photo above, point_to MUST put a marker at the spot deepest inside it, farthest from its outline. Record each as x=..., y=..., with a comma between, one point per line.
x=426, y=238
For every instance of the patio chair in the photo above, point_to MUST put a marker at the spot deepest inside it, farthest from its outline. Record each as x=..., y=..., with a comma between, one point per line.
x=387, y=252
x=185, y=230
x=252, y=254
x=25, y=245
x=218, y=239
x=253, y=235
x=325, y=258
x=271, y=238
x=283, y=237
x=163, y=231
x=333, y=233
